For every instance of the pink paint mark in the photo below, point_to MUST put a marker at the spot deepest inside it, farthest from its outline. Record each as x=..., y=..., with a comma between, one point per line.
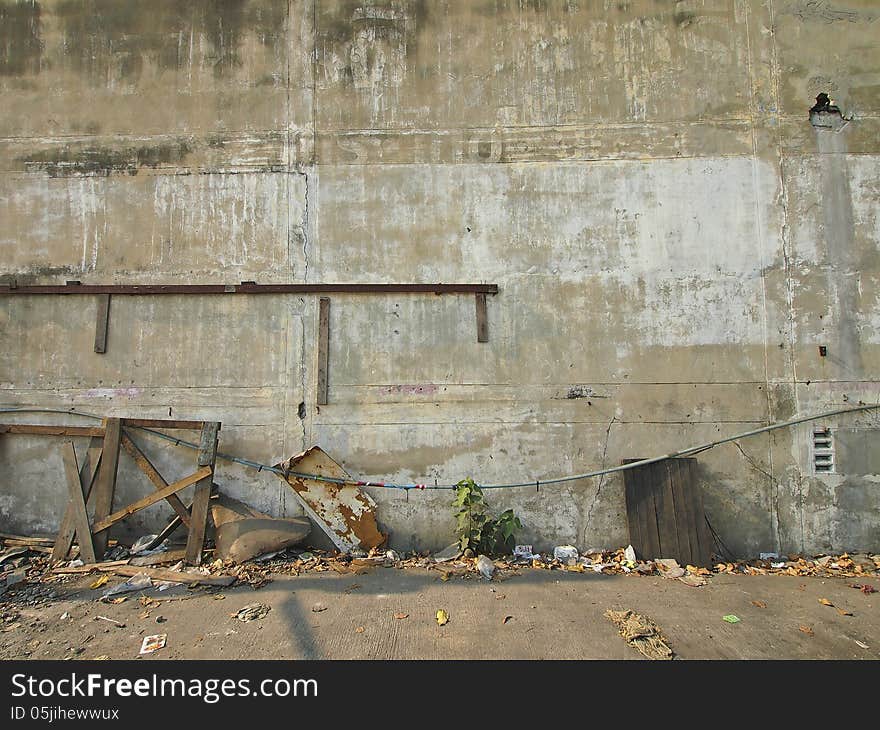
x=426, y=389
x=110, y=393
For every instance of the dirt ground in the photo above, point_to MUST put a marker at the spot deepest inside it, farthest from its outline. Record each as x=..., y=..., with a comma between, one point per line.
x=390, y=613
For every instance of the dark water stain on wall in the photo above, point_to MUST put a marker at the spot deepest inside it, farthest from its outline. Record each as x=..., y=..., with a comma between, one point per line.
x=68, y=160
x=398, y=23
x=21, y=45
x=106, y=38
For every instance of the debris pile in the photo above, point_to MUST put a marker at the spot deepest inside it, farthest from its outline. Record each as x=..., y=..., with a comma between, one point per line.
x=642, y=633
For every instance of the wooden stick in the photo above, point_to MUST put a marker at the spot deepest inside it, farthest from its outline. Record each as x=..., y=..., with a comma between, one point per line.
x=87, y=472
x=154, y=476
x=157, y=496
x=33, y=430
x=199, y=515
x=77, y=502
x=323, y=350
x=105, y=484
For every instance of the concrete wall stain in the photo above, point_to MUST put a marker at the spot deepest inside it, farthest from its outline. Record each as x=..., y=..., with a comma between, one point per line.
x=66, y=160
x=21, y=44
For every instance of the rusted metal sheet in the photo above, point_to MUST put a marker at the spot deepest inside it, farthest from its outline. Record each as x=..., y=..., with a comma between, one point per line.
x=346, y=513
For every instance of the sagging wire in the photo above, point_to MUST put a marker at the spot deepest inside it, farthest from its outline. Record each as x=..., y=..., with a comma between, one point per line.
x=536, y=483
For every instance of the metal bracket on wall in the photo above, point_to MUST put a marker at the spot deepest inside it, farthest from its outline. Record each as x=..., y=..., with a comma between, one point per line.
x=105, y=291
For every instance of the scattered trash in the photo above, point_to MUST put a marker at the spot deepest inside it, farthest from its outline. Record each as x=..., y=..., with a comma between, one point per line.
x=442, y=617
x=318, y=607
x=862, y=644
x=392, y=555
x=65, y=616
x=485, y=566
x=565, y=554
x=777, y=565
x=506, y=619
x=630, y=555
x=695, y=581
x=267, y=556
x=161, y=619
x=117, y=624
x=253, y=612
x=75, y=563
x=135, y=583
x=641, y=633
x=806, y=629
x=731, y=619
x=866, y=589
x=243, y=533
x=100, y=581
x=448, y=553
x=759, y=604
x=17, y=576
x=670, y=568
x=142, y=544
x=769, y=556
x=843, y=612
x=825, y=602
x=360, y=629
x=523, y=552
x=401, y=615
x=117, y=552
x=153, y=643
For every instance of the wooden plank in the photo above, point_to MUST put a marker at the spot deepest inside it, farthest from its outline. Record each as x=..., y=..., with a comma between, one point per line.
x=172, y=575
x=641, y=479
x=168, y=556
x=146, y=466
x=64, y=540
x=89, y=567
x=105, y=481
x=75, y=494
x=632, y=516
x=157, y=496
x=704, y=537
x=678, y=486
x=482, y=318
x=201, y=497
x=161, y=423
x=323, y=350
x=102, y=321
x=208, y=443
x=25, y=428
x=667, y=528
x=26, y=539
x=690, y=525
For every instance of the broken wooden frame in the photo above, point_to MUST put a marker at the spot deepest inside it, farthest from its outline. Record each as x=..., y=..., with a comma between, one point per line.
x=95, y=479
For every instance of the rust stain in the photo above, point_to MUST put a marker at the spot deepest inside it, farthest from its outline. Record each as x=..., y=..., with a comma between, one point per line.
x=346, y=514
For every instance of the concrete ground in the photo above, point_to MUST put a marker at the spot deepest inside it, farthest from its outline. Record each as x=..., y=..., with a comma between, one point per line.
x=553, y=615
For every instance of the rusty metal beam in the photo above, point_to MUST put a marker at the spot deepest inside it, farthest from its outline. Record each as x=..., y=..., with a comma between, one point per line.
x=248, y=288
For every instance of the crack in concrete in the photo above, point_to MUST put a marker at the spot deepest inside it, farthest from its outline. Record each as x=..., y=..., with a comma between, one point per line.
x=595, y=499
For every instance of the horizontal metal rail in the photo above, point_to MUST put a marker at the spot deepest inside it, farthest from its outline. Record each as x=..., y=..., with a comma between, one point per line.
x=247, y=287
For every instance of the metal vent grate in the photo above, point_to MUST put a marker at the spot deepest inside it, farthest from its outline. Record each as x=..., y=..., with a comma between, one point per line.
x=823, y=451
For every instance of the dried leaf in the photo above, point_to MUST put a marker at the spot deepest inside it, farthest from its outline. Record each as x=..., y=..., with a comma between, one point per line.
x=759, y=604
x=100, y=581
x=360, y=629
x=843, y=611
x=442, y=617
x=806, y=629
x=118, y=599
x=825, y=602
x=218, y=597
x=444, y=577
x=500, y=597
x=318, y=607
x=506, y=619
x=145, y=614
x=862, y=644
x=401, y=615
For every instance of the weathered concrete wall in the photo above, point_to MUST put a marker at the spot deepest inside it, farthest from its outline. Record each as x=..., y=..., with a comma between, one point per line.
x=670, y=235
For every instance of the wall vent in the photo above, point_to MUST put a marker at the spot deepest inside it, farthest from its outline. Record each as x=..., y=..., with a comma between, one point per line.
x=823, y=451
